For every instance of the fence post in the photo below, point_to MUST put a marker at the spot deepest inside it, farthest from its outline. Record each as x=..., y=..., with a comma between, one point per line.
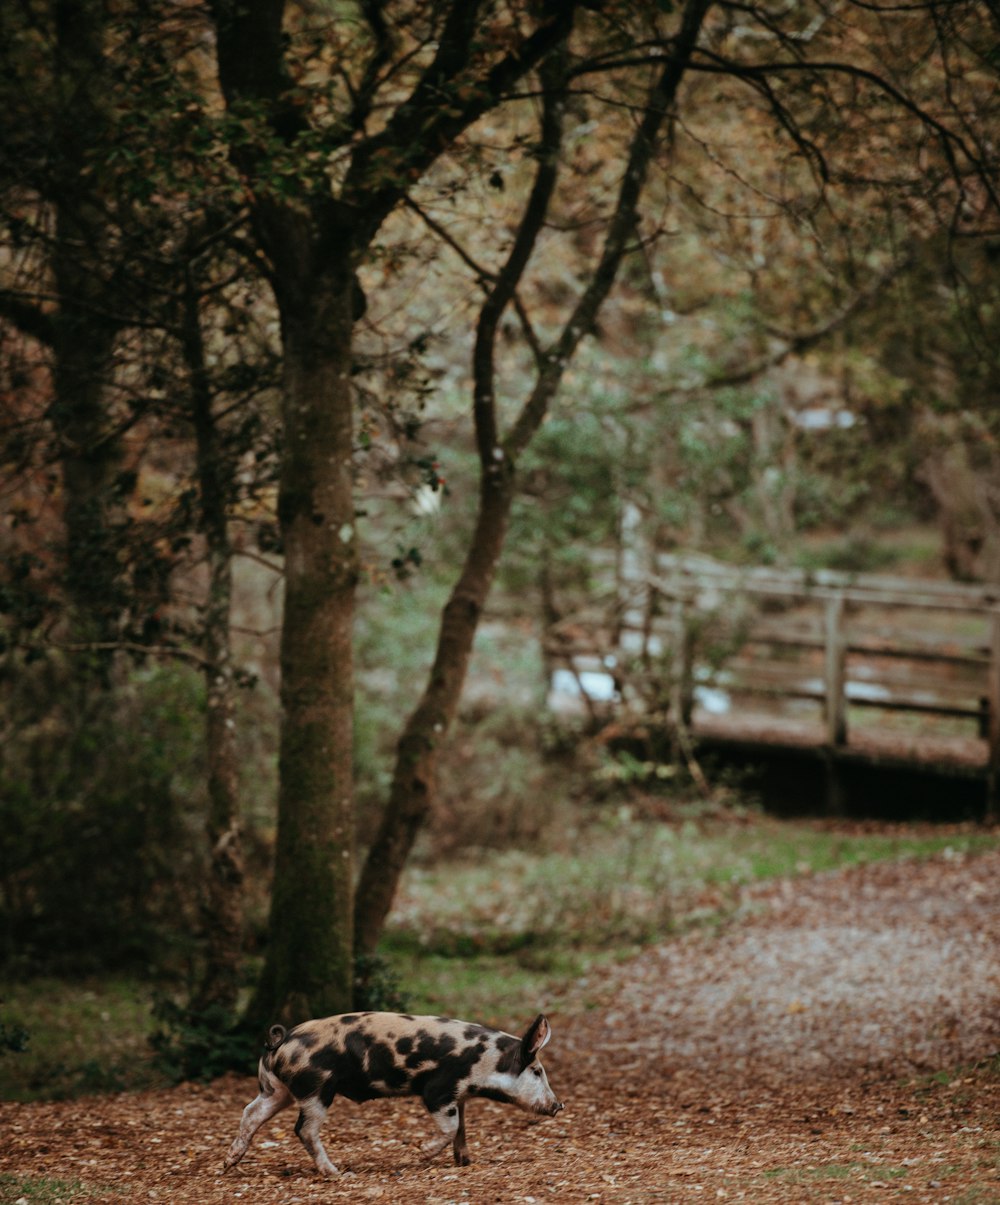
x=836, y=658
x=682, y=685
x=993, y=721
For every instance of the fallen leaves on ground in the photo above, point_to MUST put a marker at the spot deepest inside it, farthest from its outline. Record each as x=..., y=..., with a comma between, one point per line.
x=833, y=1044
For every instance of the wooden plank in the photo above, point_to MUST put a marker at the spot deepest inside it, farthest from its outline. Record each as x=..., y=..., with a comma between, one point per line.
x=955, y=708
x=824, y=581
x=794, y=592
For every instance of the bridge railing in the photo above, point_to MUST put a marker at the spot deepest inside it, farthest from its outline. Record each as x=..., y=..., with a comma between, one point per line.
x=696, y=632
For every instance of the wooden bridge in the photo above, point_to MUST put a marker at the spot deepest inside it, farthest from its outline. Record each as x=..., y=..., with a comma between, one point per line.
x=855, y=667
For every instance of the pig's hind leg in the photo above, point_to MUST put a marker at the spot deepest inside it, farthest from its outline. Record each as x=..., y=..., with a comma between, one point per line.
x=311, y=1117
x=450, y=1119
x=274, y=1097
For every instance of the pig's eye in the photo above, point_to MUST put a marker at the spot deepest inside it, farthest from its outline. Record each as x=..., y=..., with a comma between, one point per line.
x=536, y=1071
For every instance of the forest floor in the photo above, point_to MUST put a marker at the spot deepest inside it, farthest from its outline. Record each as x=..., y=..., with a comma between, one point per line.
x=836, y=1041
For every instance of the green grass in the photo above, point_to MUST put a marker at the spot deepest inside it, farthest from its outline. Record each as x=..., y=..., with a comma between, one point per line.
x=41, y=1190
x=83, y=1036
x=836, y=1171
x=471, y=936
x=491, y=937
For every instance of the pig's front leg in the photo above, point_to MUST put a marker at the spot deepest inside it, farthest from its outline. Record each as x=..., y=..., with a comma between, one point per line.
x=450, y=1120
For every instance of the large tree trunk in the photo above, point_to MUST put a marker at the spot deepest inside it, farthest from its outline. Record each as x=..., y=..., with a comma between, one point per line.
x=83, y=335
x=419, y=748
x=309, y=966
x=90, y=456
x=313, y=239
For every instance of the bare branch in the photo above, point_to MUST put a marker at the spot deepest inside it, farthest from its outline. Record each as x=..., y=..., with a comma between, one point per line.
x=364, y=96
x=27, y=316
x=796, y=342
x=483, y=275
x=507, y=279
x=952, y=144
x=621, y=230
x=447, y=100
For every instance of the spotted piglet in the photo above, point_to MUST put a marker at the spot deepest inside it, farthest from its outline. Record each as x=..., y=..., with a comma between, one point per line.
x=367, y=1055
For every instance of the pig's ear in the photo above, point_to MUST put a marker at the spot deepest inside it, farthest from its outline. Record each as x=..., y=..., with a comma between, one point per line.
x=537, y=1034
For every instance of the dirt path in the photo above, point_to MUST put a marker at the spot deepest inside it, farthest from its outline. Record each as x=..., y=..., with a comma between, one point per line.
x=833, y=1044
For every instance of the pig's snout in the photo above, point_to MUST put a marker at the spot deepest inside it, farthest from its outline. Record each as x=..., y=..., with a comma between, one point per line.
x=556, y=1108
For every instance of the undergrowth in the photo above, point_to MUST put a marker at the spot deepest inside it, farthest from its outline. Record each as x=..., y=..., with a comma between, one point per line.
x=43, y=1190
x=493, y=935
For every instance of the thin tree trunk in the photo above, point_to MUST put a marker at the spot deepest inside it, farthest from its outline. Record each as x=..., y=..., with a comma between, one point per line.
x=223, y=915
x=414, y=779
x=415, y=776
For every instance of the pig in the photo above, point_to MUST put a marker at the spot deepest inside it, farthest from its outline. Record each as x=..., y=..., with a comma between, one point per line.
x=367, y=1055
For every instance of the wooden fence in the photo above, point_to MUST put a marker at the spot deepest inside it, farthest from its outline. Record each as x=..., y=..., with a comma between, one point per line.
x=691, y=629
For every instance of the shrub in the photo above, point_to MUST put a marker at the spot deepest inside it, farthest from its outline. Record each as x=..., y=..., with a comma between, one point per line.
x=200, y=1045
x=101, y=827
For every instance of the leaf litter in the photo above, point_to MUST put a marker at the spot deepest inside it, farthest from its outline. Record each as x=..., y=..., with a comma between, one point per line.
x=836, y=1042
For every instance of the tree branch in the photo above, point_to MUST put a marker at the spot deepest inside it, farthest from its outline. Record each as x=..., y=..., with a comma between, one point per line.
x=951, y=142
x=446, y=100
x=797, y=342
x=29, y=319
x=621, y=229
x=506, y=281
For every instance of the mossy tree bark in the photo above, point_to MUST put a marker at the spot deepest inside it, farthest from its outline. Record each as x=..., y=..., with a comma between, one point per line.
x=309, y=965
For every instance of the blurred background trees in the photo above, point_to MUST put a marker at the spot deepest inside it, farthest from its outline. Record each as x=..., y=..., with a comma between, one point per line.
x=316, y=318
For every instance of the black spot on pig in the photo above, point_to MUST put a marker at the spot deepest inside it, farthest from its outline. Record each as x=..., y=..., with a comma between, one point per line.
x=460, y=1065
x=305, y=1082
x=437, y=1089
x=510, y=1059
x=435, y=1047
x=430, y=1048
x=333, y=1060
x=383, y=1067
x=438, y=1085
x=345, y=1068
x=357, y=1043
x=404, y=1046
x=307, y=1038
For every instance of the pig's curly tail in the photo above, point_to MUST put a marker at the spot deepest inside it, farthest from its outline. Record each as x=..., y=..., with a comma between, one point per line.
x=275, y=1036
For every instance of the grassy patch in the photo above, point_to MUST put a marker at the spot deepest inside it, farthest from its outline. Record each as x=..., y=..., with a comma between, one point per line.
x=82, y=1037
x=473, y=934
x=836, y=1171
x=41, y=1190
